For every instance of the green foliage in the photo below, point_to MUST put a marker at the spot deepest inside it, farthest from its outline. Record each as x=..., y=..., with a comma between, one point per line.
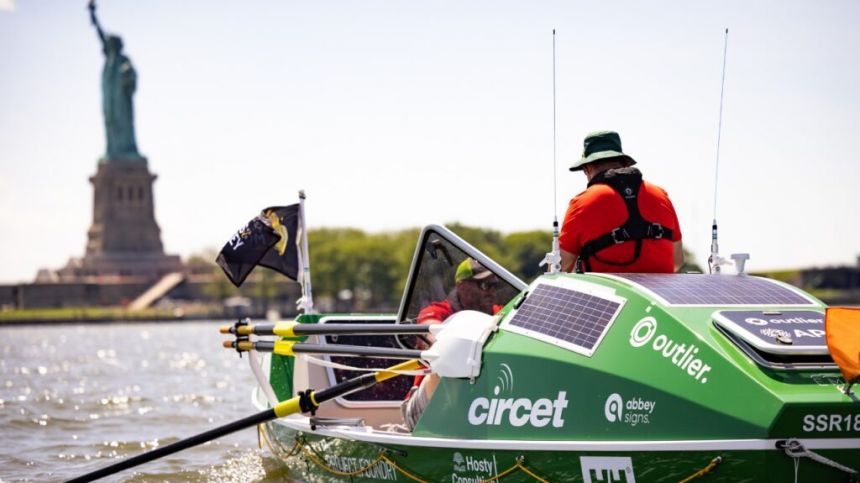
x=788, y=276
x=219, y=286
x=368, y=270
x=372, y=268
x=488, y=241
x=523, y=251
x=70, y=314
x=690, y=265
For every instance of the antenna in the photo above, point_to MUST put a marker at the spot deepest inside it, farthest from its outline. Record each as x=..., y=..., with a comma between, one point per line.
x=552, y=260
x=714, y=261
x=554, y=167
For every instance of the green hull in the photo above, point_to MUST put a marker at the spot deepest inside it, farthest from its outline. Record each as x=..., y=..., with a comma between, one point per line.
x=318, y=458
x=595, y=377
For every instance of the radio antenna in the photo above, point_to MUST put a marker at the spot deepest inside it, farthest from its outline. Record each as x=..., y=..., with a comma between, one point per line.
x=714, y=261
x=552, y=260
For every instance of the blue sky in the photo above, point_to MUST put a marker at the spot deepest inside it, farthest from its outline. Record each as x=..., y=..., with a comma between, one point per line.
x=398, y=114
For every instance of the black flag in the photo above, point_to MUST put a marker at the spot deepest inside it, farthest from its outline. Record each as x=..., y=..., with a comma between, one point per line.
x=269, y=240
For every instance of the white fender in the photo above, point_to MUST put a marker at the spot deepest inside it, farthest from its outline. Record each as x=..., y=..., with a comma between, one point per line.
x=459, y=344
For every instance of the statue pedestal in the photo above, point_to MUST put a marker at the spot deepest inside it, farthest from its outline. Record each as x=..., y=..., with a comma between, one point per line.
x=123, y=210
x=124, y=240
x=114, y=268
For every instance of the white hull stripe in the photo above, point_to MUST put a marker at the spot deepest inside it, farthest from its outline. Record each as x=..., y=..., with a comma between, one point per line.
x=369, y=435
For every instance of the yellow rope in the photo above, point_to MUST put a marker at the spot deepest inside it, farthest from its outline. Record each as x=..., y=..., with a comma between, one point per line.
x=398, y=468
x=517, y=466
x=292, y=452
x=528, y=472
x=704, y=471
x=302, y=447
x=296, y=449
x=319, y=462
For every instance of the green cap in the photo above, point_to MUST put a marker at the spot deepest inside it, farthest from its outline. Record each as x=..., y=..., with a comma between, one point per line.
x=600, y=145
x=470, y=269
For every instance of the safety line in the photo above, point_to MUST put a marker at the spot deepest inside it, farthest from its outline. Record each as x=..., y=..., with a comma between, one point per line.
x=518, y=465
x=704, y=471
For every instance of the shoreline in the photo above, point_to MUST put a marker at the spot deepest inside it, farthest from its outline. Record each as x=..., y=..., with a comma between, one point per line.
x=114, y=315
x=17, y=322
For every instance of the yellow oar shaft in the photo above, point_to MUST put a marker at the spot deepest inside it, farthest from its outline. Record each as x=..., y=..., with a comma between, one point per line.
x=280, y=347
x=314, y=398
x=290, y=406
x=410, y=365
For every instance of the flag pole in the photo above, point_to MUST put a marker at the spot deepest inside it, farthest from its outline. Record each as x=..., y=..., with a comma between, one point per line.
x=306, y=303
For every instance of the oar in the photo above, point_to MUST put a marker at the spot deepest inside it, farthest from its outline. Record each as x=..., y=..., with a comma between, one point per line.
x=291, y=348
x=455, y=353
x=304, y=402
x=296, y=329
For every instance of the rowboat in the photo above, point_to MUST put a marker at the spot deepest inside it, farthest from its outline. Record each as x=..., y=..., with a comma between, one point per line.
x=579, y=377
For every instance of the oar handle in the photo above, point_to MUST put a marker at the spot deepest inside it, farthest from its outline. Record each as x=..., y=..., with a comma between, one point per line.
x=291, y=348
x=355, y=350
x=295, y=329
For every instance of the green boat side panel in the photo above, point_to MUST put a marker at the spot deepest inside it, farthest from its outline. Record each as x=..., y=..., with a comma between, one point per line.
x=661, y=372
x=659, y=376
x=635, y=378
x=462, y=465
x=281, y=374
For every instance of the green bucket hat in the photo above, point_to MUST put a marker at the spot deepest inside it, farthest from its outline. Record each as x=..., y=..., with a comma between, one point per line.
x=600, y=145
x=470, y=269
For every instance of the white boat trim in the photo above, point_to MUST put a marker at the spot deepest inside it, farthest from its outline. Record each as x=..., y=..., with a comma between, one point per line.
x=369, y=435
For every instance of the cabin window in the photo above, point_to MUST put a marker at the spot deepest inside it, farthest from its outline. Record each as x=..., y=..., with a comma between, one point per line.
x=434, y=278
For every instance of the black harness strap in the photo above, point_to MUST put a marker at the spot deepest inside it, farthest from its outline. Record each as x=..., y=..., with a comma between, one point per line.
x=626, y=182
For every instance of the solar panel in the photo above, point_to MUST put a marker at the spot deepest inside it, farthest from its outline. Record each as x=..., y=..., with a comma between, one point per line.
x=699, y=289
x=566, y=317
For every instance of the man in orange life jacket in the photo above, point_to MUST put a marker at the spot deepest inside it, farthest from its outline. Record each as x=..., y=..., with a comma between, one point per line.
x=620, y=223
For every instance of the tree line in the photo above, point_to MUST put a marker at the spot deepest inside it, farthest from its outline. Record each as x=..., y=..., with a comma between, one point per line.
x=369, y=269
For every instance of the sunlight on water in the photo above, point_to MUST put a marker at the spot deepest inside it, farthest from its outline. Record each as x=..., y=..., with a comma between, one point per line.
x=74, y=398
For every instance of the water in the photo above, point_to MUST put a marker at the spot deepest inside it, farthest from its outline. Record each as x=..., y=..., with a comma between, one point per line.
x=74, y=398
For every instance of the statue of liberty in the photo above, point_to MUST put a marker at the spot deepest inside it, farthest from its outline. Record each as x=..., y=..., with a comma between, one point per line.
x=119, y=81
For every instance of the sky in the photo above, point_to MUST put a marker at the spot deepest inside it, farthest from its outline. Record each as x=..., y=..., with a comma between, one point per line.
x=399, y=114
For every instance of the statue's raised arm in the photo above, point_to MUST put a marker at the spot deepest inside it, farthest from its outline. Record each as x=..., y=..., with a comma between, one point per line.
x=119, y=81
x=95, y=21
